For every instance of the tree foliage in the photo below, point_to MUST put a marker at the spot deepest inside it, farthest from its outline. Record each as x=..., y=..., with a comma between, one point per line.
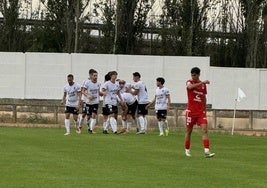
x=232, y=33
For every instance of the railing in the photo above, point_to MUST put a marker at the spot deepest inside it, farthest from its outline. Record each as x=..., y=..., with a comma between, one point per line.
x=36, y=111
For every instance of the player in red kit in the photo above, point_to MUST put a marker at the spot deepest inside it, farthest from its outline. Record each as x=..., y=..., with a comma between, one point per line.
x=196, y=111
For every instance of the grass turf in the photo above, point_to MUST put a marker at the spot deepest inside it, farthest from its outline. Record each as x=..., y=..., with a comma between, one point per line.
x=43, y=157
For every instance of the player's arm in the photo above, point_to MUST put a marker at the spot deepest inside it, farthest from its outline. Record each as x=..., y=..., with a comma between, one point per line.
x=104, y=92
x=168, y=102
x=205, y=101
x=151, y=103
x=120, y=98
x=193, y=86
x=85, y=93
x=101, y=93
x=63, y=101
x=132, y=91
x=79, y=93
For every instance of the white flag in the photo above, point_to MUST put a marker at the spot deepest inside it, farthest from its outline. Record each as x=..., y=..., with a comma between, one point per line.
x=240, y=95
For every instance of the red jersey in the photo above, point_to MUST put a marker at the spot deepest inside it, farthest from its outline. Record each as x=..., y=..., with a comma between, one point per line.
x=196, y=103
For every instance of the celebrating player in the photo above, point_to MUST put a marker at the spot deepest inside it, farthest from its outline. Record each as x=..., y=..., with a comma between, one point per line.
x=72, y=100
x=91, y=89
x=110, y=92
x=162, y=102
x=142, y=95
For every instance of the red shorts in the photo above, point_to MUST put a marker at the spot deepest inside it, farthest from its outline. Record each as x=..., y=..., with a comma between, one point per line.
x=196, y=119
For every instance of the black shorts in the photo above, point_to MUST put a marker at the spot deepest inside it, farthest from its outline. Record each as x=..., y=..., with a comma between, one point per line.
x=142, y=109
x=161, y=114
x=132, y=108
x=105, y=111
x=110, y=109
x=71, y=110
x=92, y=108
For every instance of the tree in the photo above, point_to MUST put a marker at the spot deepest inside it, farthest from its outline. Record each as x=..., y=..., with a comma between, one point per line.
x=60, y=29
x=105, y=10
x=251, y=11
x=10, y=34
x=130, y=21
x=184, y=25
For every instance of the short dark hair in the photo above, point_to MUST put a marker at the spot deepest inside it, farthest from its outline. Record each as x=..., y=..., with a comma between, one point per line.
x=195, y=70
x=161, y=80
x=113, y=73
x=92, y=71
x=107, y=77
x=70, y=76
x=137, y=74
x=122, y=82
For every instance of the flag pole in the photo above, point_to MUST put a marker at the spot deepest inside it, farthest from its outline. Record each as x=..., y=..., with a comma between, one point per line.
x=233, y=125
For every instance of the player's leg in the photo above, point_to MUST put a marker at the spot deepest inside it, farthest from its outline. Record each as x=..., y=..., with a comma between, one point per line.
x=105, y=113
x=93, y=118
x=190, y=122
x=163, y=115
x=187, y=141
x=160, y=123
x=128, y=122
x=206, y=141
x=112, y=118
x=166, y=127
x=141, y=117
x=67, y=120
x=75, y=113
x=82, y=117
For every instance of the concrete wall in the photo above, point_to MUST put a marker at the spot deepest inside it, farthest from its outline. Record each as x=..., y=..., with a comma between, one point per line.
x=43, y=75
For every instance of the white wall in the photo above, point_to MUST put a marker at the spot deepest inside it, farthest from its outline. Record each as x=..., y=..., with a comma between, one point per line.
x=226, y=81
x=12, y=75
x=43, y=76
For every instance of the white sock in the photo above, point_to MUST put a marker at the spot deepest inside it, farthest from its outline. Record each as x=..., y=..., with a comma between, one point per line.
x=81, y=120
x=142, y=123
x=166, y=124
x=67, y=125
x=206, y=150
x=160, y=125
x=104, y=125
x=129, y=124
x=75, y=123
x=124, y=124
x=92, y=124
x=136, y=123
x=88, y=123
x=145, y=123
x=113, y=124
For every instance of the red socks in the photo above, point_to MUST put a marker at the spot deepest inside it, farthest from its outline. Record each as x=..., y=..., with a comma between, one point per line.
x=206, y=143
x=187, y=144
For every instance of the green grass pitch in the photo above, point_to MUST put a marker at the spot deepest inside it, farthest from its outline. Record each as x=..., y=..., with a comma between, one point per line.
x=44, y=157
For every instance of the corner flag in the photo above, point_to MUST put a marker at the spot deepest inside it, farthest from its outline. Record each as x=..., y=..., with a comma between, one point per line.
x=240, y=95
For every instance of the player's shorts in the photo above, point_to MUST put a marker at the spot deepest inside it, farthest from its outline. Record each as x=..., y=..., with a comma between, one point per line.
x=132, y=108
x=85, y=108
x=199, y=119
x=111, y=109
x=92, y=108
x=141, y=109
x=105, y=111
x=71, y=110
x=161, y=114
